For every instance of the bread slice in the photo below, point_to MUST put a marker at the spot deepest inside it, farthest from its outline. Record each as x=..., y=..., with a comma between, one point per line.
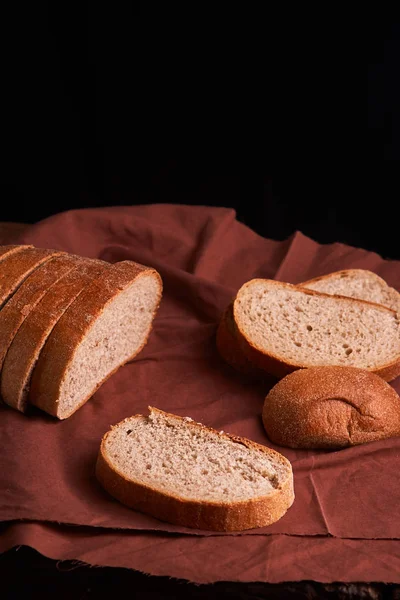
x=24, y=351
x=184, y=473
x=357, y=283
x=282, y=327
x=18, y=265
x=354, y=283
x=331, y=407
x=105, y=327
x=28, y=295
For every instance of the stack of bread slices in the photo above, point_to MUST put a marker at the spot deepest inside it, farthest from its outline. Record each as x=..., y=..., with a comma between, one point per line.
x=67, y=323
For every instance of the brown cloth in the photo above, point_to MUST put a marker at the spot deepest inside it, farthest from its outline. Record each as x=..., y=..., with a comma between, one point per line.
x=345, y=522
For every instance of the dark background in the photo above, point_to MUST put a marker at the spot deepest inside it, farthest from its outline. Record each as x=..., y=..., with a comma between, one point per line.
x=109, y=106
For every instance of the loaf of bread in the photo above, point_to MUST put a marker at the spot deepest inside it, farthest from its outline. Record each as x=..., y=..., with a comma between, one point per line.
x=184, y=473
x=27, y=343
x=353, y=283
x=28, y=295
x=281, y=328
x=106, y=326
x=331, y=407
x=67, y=323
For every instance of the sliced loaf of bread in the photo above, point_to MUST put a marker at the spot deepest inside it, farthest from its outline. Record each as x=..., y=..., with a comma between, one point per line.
x=281, y=328
x=17, y=265
x=24, y=351
x=184, y=473
x=356, y=283
x=105, y=326
x=30, y=292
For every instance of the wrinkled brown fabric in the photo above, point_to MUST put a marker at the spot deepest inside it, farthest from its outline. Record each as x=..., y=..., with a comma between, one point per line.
x=347, y=502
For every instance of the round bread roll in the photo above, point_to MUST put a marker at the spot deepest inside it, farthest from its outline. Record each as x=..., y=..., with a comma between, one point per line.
x=331, y=407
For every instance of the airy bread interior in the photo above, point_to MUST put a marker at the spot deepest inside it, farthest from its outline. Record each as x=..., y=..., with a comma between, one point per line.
x=194, y=463
x=312, y=330
x=358, y=283
x=115, y=337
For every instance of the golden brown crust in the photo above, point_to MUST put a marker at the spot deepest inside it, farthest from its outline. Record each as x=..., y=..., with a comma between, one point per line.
x=70, y=330
x=6, y=251
x=331, y=407
x=278, y=367
x=30, y=292
x=37, y=326
x=18, y=265
x=229, y=349
x=214, y=516
x=342, y=272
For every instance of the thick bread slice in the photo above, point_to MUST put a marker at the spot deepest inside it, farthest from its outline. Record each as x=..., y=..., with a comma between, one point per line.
x=331, y=407
x=16, y=267
x=282, y=328
x=30, y=292
x=184, y=473
x=105, y=327
x=354, y=283
x=27, y=344
x=357, y=283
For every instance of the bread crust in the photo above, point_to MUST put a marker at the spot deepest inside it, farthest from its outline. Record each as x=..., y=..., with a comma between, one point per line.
x=213, y=516
x=6, y=251
x=30, y=338
x=332, y=408
x=278, y=367
x=229, y=349
x=70, y=330
x=18, y=265
x=30, y=292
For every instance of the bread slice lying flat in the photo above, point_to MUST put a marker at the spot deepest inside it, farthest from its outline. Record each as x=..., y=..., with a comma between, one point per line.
x=105, y=326
x=357, y=283
x=354, y=283
x=281, y=328
x=24, y=350
x=331, y=407
x=184, y=473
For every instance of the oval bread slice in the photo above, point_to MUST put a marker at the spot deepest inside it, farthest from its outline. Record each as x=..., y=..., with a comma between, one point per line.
x=281, y=328
x=184, y=473
x=356, y=283
x=331, y=407
x=105, y=327
x=30, y=338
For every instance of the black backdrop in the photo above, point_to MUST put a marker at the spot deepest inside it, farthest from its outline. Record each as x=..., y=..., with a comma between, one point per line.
x=108, y=106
